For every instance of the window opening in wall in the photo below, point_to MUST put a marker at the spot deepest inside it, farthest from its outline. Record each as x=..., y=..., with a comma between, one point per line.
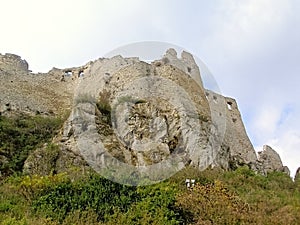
x=68, y=73
x=81, y=74
x=229, y=105
x=189, y=69
x=215, y=99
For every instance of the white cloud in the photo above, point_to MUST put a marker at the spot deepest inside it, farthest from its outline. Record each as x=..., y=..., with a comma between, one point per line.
x=283, y=135
x=251, y=46
x=252, y=51
x=66, y=32
x=241, y=26
x=266, y=120
x=287, y=146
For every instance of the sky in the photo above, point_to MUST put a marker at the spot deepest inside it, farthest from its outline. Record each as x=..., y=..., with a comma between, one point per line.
x=252, y=48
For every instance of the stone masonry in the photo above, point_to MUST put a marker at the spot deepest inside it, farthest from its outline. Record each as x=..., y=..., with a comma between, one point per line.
x=216, y=136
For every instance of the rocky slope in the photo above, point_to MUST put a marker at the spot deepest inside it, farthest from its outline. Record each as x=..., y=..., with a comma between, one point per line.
x=148, y=116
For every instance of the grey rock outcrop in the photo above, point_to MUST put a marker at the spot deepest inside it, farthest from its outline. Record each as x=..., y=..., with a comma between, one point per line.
x=271, y=161
x=164, y=105
x=216, y=138
x=236, y=148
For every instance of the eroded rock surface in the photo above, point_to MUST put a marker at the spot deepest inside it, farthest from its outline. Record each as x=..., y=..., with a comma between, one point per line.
x=139, y=113
x=271, y=161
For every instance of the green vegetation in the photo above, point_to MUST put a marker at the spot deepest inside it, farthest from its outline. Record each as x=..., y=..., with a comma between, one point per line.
x=58, y=198
x=236, y=197
x=84, y=197
x=19, y=136
x=242, y=197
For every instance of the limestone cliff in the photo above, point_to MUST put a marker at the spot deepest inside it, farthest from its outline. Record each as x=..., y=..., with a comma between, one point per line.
x=139, y=114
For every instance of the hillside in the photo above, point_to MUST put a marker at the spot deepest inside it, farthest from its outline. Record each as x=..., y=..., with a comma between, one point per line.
x=218, y=197
x=113, y=142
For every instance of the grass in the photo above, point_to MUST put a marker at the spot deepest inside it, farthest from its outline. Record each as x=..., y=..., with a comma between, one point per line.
x=233, y=197
x=84, y=197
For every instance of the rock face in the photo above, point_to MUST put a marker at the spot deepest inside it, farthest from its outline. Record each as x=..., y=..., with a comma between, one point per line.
x=297, y=175
x=140, y=114
x=271, y=161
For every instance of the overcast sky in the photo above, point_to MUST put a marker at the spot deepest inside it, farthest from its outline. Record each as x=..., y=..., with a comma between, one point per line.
x=252, y=47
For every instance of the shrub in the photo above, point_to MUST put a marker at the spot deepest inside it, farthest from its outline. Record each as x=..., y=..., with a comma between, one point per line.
x=20, y=135
x=105, y=201
x=232, y=197
x=156, y=205
x=212, y=204
x=31, y=186
x=94, y=193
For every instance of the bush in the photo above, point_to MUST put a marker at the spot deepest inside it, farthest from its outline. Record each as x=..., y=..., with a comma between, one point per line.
x=156, y=205
x=232, y=197
x=32, y=186
x=19, y=136
x=213, y=204
x=93, y=193
x=105, y=201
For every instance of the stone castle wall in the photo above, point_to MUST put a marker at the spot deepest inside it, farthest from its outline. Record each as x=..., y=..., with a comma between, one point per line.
x=57, y=91
x=12, y=63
